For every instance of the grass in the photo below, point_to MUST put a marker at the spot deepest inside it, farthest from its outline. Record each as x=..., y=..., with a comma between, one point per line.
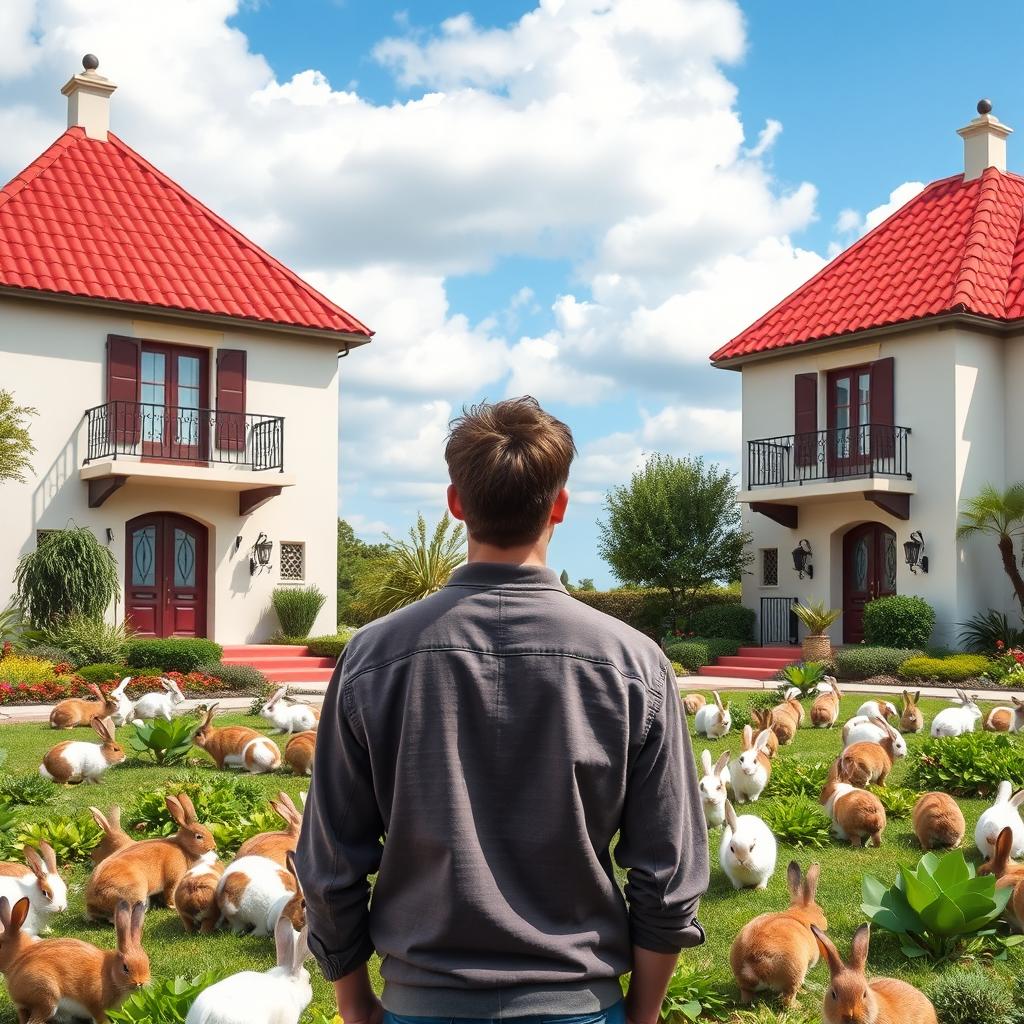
x=723, y=911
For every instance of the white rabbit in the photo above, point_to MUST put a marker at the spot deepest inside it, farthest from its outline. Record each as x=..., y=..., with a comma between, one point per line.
x=159, y=705
x=289, y=717
x=860, y=729
x=1004, y=813
x=40, y=882
x=956, y=721
x=277, y=997
x=713, y=788
x=791, y=693
x=877, y=709
x=125, y=705
x=748, y=850
x=750, y=772
x=255, y=892
x=825, y=686
x=713, y=720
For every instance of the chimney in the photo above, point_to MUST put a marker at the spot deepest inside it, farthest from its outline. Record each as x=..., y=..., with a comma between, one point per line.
x=984, y=142
x=88, y=96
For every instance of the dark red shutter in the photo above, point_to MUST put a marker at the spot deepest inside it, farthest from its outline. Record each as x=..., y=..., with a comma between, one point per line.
x=883, y=411
x=122, y=391
x=230, y=431
x=805, y=404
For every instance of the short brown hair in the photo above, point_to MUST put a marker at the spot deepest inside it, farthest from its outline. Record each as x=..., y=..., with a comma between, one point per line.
x=508, y=461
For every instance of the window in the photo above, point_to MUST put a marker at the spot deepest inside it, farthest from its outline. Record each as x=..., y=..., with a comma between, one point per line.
x=769, y=567
x=293, y=561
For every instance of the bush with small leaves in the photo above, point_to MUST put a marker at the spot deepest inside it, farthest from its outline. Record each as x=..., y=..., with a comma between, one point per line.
x=297, y=608
x=694, y=653
x=952, y=669
x=88, y=641
x=792, y=776
x=72, y=839
x=235, y=677
x=972, y=995
x=734, y=621
x=29, y=789
x=863, y=662
x=172, y=654
x=970, y=765
x=798, y=820
x=898, y=621
x=329, y=646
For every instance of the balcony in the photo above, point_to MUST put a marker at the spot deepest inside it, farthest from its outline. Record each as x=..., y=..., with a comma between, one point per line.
x=205, y=448
x=829, y=465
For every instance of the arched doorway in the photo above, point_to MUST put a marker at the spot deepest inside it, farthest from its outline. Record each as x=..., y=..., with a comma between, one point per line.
x=165, y=575
x=869, y=571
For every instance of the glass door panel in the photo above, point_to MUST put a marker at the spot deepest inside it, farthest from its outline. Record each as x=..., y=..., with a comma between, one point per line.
x=153, y=395
x=173, y=391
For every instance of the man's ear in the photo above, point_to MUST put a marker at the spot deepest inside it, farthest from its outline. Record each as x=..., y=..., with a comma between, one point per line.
x=454, y=505
x=559, y=507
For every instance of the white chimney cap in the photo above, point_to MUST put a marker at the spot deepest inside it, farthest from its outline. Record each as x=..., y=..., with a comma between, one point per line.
x=88, y=96
x=984, y=142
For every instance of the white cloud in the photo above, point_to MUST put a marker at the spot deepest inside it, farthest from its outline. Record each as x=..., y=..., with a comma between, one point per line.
x=851, y=222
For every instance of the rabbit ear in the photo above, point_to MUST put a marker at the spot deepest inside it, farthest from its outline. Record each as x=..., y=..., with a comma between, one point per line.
x=123, y=925
x=1017, y=799
x=284, y=941
x=1004, y=847
x=189, y=808
x=49, y=857
x=17, y=916
x=94, y=690
x=289, y=859
x=748, y=737
x=176, y=811
x=718, y=701
x=793, y=880
x=114, y=816
x=764, y=737
x=5, y=914
x=300, y=951
x=1003, y=792
x=137, y=921
x=730, y=816
x=829, y=951
x=705, y=760
x=810, y=889
x=859, y=949
x=100, y=818
x=723, y=760
x=35, y=862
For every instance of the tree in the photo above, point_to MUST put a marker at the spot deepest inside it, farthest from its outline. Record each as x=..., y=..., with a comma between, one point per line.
x=998, y=514
x=564, y=577
x=354, y=558
x=586, y=583
x=15, y=442
x=675, y=525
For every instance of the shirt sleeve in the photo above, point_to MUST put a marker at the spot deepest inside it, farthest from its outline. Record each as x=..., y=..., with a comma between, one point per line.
x=663, y=839
x=340, y=843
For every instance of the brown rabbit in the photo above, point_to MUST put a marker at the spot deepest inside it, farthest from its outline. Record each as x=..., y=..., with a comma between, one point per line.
x=195, y=897
x=786, y=720
x=825, y=709
x=938, y=822
x=911, y=716
x=237, y=746
x=114, y=837
x=865, y=763
x=1007, y=876
x=856, y=814
x=775, y=951
x=14, y=939
x=78, y=974
x=1006, y=719
x=298, y=754
x=693, y=702
x=75, y=761
x=852, y=999
x=276, y=845
x=151, y=867
x=78, y=711
x=762, y=721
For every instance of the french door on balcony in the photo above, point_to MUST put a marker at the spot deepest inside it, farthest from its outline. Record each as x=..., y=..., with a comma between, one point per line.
x=173, y=389
x=849, y=420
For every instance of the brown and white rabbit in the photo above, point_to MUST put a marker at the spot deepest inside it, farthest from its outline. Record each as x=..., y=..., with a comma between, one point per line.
x=856, y=814
x=298, y=754
x=693, y=702
x=762, y=721
x=1008, y=876
x=78, y=711
x=237, y=746
x=825, y=709
x=14, y=939
x=938, y=822
x=75, y=761
x=71, y=978
x=851, y=998
x=276, y=845
x=786, y=720
x=911, y=716
x=866, y=763
x=114, y=837
x=151, y=867
x=195, y=897
x=774, y=952
x=256, y=892
x=40, y=883
x=1006, y=719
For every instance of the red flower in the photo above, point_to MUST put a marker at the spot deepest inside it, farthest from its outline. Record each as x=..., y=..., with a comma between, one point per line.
x=1000, y=645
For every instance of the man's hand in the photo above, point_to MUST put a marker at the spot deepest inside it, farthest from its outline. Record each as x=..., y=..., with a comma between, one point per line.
x=648, y=984
x=372, y=1015
x=357, y=1002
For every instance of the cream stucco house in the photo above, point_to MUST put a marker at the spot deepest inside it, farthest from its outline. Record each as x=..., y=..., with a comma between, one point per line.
x=186, y=382
x=882, y=393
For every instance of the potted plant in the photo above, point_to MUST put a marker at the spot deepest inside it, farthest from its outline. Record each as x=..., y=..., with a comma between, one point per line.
x=817, y=645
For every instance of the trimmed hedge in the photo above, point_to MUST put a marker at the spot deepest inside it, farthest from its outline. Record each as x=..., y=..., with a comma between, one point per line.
x=898, y=621
x=172, y=654
x=700, y=651
x=328, y=646
x=864, y=662
x=730, y=620
x=954, y=669
x=648, y=609
x=235, y=677
x=105, y=672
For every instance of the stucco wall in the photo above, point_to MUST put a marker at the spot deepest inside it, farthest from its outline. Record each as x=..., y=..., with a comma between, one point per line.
x=53, y=357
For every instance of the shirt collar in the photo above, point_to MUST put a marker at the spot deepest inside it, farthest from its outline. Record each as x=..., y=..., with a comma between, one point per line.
x=500, y=574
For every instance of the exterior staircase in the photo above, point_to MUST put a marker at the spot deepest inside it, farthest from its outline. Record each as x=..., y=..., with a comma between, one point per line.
x=752, y=663
x=281, y=663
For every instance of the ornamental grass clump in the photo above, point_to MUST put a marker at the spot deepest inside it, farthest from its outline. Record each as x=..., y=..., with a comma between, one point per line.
x=297, y=609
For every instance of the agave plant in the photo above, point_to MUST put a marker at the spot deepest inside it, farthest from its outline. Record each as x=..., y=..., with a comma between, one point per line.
x=165, y=742
x=816, y=616
x=938, y=906
x=804, y=677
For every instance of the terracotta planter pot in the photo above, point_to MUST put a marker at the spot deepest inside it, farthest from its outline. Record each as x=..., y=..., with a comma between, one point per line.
x=817, y=647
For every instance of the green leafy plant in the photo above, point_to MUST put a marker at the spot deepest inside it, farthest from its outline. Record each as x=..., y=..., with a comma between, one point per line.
x=103, y=672
x=734, y=621
x=763, y=700
x=12, y=625
x=970, y=765
x=69, y=574
x=972, y=995
x=816, y=616
x=695, y=652
x=898, y=621
x=938, y=906
x=164, y=1001
x=172, y=654
x=29, y=789
x=72, y=839
x=998, y=514
x=954, y=668
x=863, y=662
x=235, y=677
x=898, y=803
x=804, y=677
x=692, y=992
x=798, y=820
x=794, y=777
x=297, y=608
x=51, y=653
x=981, y=634
x=165, y=742
x=216, y=798
x=329, y=646
x=230, y=834
x=88, y=640
x=15, y=441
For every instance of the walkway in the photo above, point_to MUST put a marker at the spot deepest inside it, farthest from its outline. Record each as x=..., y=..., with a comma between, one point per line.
x=707, y=683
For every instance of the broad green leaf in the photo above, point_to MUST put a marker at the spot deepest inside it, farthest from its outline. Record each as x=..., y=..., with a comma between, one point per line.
x=951, y=870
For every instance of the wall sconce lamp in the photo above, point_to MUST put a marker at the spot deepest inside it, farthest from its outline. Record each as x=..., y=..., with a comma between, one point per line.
x=110, y=535
x=913, y=550
x=801, y=559
x=238, y=542
x=260, y=557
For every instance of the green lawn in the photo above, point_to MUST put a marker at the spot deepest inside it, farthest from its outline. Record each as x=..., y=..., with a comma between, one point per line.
x=724, y=911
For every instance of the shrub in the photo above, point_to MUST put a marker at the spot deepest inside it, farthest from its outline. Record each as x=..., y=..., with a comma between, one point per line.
x=986, y=631
x=816, y=616
x=729, y=620
x=103, y=672
x=55, y=689
x=693, y=991
x=72, y=839
x=165, y=1001
x=234, y=677
x=970, y=765
x=297, y=608
x=328, y=646
x=972, y=995
x=803, y=677
x=648, y=609
x=165, y=742
x=230, y=834
x=793, y=777
x=51, y=653
x=69, y=574
x=29, y=789
x=216, y=798
x=863, y=662
x=172, y=654
x=692, y=654
x=898, y=621
x=798, y=820
x=18, y=668
x=898, y=803
x=953, y=669
x=763, y=700
x=678, y=668
x=87, y=640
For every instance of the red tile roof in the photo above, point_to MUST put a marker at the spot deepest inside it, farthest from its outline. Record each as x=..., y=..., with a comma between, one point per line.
x=957, y=247
x=94, y=219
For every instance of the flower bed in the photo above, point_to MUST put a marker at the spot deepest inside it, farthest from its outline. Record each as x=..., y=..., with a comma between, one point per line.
x=49, y=691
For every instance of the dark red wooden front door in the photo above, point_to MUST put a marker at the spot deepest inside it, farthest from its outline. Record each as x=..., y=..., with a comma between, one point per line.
x=165, y=575
x=869, y=571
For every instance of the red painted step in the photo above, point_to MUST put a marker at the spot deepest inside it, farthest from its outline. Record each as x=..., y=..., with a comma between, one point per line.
x=788, y=653
x=750, y=662
x=298, y=675
x=281, y=663
x=261, y=662
x=736, y=672
x=265, y=651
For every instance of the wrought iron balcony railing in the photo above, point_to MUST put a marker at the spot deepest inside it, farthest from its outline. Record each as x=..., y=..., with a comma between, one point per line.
x=177, y=434
x=826, y=455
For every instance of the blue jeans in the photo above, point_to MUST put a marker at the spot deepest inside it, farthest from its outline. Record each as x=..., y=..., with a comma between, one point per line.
x=615, y=1014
